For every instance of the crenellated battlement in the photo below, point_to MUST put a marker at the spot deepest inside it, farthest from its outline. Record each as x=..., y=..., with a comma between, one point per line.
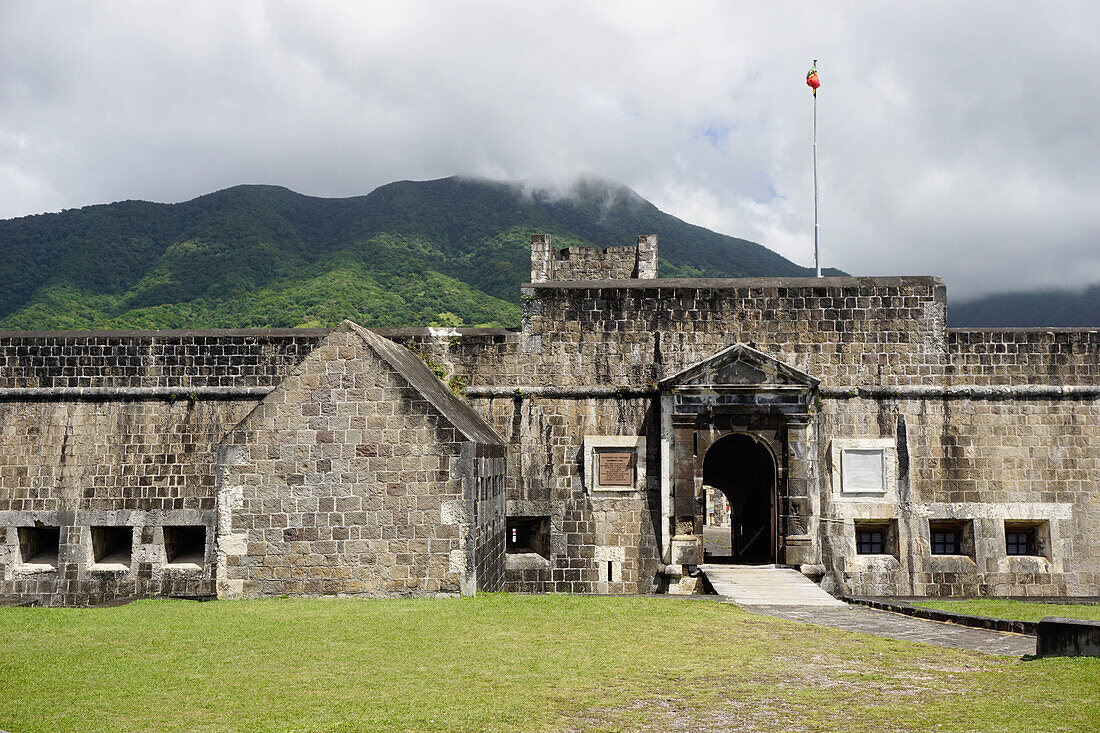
x=572, y=264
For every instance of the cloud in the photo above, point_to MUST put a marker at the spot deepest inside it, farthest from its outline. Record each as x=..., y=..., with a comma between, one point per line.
x=956, y=139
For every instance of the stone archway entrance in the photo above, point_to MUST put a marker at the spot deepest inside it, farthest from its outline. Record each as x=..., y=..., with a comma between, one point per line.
x=744, y=470
x=740, y=391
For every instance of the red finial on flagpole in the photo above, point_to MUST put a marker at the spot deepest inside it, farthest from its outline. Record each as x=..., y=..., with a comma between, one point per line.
x=813, y=82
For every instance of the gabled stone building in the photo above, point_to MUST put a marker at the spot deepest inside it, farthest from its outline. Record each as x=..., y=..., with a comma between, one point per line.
x=854, y=436
x=360, y=474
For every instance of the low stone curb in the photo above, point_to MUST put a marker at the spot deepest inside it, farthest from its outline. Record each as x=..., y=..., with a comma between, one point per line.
x=1030, y=628
x=170, y=394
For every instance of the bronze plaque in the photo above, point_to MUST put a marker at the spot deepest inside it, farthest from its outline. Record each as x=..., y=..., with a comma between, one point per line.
x=616, y=468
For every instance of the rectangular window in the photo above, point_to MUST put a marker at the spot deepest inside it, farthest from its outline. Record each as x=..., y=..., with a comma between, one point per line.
x=1020, y=542
x=945, y=542
x=185, y=545
x=112, y=546
x=869, y=541
x=951, y=537
x=1027, y=538
x=38, y=547
x=876, y=537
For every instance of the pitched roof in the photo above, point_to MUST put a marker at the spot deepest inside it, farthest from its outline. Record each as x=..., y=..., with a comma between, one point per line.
x=424, y=381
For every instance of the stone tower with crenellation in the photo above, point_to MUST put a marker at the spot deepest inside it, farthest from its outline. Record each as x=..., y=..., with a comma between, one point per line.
x=549, y=264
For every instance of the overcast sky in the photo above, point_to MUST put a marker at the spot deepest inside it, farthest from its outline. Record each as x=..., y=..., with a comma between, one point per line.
x=954, y=139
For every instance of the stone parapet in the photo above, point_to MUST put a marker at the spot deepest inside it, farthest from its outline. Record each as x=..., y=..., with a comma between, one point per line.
x=152, y=359
x=1025, y=356
x=844, y=330
x=967, y=392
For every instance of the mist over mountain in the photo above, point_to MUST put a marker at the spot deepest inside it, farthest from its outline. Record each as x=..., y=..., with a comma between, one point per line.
x=1031, y=309
x=444, y=252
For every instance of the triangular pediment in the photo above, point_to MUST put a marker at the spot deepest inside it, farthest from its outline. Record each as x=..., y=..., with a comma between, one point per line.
x=349, y=350
x=739, y=367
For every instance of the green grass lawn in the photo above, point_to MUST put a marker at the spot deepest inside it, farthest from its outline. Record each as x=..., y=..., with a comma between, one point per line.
x=1015, y=610
x=504, y=663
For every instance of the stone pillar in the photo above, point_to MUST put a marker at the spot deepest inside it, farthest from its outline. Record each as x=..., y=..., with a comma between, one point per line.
x=542, y=258
x=687, y=546
x=646, y=263
x=667, y=435
x=801, y=505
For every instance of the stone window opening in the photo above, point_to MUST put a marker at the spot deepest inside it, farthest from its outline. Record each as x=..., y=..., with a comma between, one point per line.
x=38, y=548
x=876, y=538
x=185, y=546
x=951, y=537
x=609, y=567
x=1027, y=539
x=527, y=543
x=529, y=535
x=112, y=547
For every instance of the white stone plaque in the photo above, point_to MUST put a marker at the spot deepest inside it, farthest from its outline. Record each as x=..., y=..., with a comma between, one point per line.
x=863, y=470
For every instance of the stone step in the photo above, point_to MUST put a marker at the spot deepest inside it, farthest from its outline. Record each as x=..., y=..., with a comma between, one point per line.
x=766, y=585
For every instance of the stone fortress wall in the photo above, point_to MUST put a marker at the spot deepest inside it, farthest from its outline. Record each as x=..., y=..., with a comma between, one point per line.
x=170, y=360
x=985, y=427
x=118, y=447
x=114, y=432
x=319, y=462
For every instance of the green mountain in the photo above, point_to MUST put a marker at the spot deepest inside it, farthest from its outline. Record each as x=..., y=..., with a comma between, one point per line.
x=1037, y=309
x=446, y=252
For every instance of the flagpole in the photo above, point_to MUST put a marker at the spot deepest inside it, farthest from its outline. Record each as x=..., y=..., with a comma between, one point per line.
x=817, y=261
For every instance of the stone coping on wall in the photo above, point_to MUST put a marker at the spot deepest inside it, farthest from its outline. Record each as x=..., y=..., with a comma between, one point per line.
x=388, y=332
x=171, y=333
x=995, y=392
x=932, y=614
x=1000, y=392
x=440, y=332
x=964, y=392
x=797, y=283
x=1023, y=329
x=1014, y=626
x=580, y=392
x=169, y=394
x=1068, y=637
x=415, y=331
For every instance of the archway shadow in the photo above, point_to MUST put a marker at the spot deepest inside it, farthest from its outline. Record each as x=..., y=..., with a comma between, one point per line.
x=743, y=469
